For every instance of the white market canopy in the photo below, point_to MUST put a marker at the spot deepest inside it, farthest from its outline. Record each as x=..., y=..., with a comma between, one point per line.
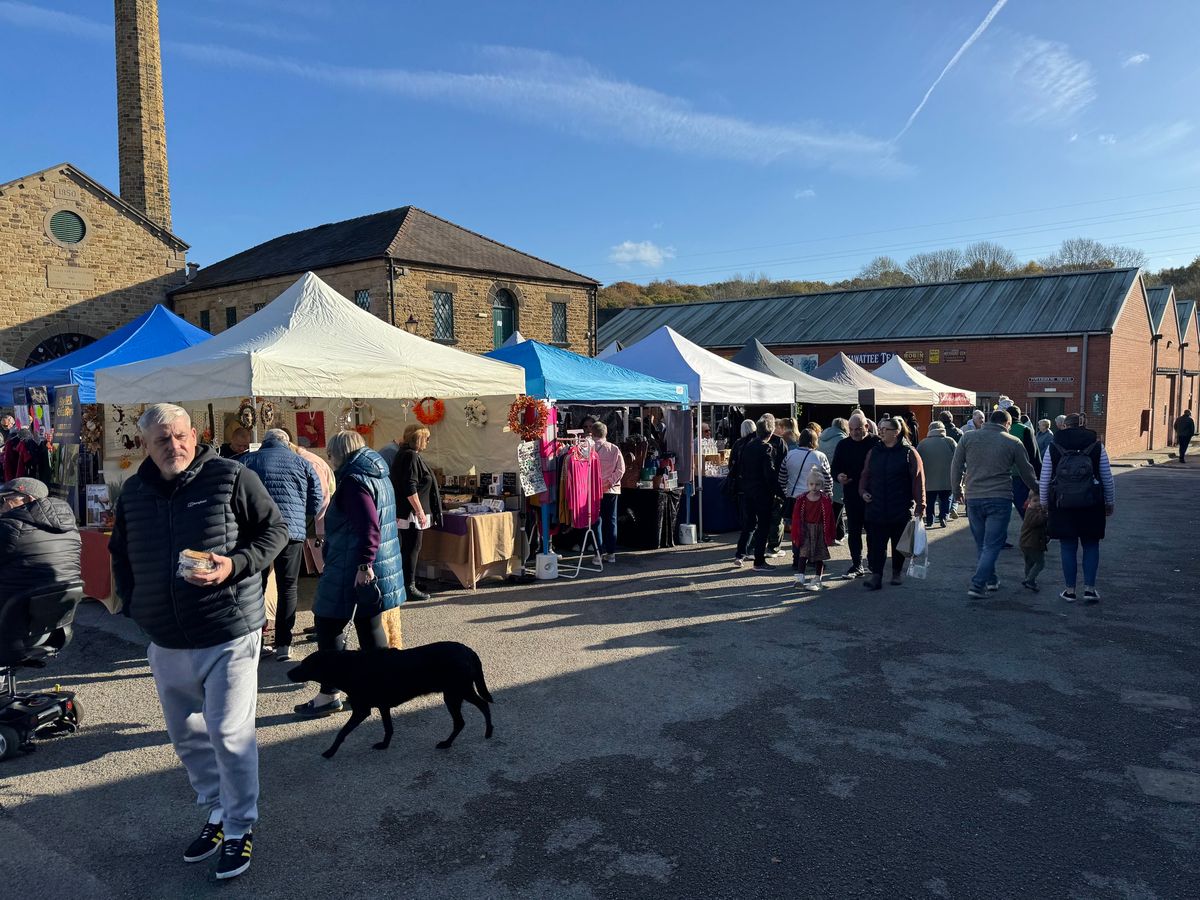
x=899, y=372
x=873, y=390
x=670, y=356
x=808, y=389
x=310, y=341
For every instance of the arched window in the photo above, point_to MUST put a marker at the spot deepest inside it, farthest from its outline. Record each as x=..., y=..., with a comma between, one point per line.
x=504, y=316
x=56, y=346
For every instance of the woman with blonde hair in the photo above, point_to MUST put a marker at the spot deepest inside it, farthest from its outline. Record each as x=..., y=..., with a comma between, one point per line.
x=419, y=501
x=362, y=577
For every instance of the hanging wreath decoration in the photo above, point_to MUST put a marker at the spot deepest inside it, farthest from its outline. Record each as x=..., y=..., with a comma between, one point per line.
x=429, y=410
x=476, y=413
x=299, y=402
x=246, y=414
x=92, y=432
x=266, y=414
x=527, y=417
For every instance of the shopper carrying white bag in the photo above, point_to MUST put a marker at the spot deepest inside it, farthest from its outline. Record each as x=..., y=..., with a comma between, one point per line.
x=920, y=538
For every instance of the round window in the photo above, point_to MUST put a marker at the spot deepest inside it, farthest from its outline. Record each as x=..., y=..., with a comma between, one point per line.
x=67, y=227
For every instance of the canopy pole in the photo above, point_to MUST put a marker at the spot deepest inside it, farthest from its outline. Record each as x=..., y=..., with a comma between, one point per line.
x=698, y=473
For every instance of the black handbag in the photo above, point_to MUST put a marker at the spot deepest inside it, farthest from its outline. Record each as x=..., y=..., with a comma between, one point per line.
x=368, y=597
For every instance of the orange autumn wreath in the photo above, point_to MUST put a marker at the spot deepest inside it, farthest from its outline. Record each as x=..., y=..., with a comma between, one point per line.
x=527, y=417
x=429, y=410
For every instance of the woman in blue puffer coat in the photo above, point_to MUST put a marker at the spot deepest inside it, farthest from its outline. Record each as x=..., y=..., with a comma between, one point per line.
x=362, y=548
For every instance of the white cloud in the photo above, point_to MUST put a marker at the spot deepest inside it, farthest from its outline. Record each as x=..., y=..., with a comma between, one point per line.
x=1135, y=60
x=548, y=89
x=963, y=48
x=26, y=15
x=1073, y=138
x=1107, y=139
x=1054, y=84
x=805, y=194
x=644, y=253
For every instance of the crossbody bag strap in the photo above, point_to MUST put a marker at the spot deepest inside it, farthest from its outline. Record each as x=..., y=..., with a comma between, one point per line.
x=791, y=491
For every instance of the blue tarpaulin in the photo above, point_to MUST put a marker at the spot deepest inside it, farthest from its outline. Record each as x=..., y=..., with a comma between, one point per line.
x=151, y=334
x=555, y=374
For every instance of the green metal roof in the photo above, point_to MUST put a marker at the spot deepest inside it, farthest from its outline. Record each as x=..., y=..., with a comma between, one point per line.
x=1067, y=303
x=1159, y=299
x=1184, y=311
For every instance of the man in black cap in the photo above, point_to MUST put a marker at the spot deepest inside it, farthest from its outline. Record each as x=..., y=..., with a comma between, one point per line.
x=39, y=540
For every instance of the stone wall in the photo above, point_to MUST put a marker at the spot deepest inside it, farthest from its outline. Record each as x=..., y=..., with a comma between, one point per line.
x=413, y=296
x=119, y=270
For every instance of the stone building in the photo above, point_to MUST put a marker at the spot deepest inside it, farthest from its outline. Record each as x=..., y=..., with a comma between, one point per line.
x=1090, y=342
x=413, y=270
x=76, y=260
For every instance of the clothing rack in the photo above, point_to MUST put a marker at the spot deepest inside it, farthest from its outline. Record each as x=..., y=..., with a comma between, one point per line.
x=576, y=441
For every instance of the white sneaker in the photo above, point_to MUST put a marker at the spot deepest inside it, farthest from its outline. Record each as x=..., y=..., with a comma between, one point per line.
x=799, y=579
x=816, y=584
x=738, y=561
x=597, y=561
x=611, y=558
x=778, y=554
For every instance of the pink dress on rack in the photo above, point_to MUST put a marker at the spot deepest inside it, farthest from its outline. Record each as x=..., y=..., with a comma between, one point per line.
x=583, y=486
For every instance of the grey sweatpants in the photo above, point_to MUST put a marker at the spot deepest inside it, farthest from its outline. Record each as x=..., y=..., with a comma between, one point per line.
x=208, y=698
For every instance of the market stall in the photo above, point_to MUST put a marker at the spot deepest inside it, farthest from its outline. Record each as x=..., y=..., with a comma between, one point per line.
x=561, y=377
x=897, y=371
x=877, y=395
x=314, y=362
x=710, y=379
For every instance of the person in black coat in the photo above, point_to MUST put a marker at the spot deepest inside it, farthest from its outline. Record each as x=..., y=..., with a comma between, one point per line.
x=39, y=540
x=758, y=482
x=418, y=502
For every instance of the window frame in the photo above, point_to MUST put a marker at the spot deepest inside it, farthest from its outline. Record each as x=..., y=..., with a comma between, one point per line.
x=231, y=316
x=555, y=307
x=205, y=318
x=433, y=302
x=363, y=292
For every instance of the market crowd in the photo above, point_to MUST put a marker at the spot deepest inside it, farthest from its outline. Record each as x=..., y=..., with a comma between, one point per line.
x=880, y=478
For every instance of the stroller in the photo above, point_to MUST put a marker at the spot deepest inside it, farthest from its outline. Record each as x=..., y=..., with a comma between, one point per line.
x=33, y=627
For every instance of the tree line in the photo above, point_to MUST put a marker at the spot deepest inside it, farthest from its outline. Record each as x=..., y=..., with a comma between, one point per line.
x=983, y=259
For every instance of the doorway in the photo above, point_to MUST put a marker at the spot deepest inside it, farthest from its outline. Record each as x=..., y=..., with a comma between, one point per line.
x=1049, y=407
x=504, y=317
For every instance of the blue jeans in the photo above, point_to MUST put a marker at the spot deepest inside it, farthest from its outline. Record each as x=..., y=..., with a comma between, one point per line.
x=989, y=526
x=942, y=499
x=1070, y=561
x=606, y=527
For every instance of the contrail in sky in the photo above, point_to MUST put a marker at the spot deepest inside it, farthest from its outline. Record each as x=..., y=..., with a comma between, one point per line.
x=987, y=20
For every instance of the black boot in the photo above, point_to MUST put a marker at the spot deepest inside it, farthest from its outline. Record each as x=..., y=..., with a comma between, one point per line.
x=415, y=593
x=873, y=582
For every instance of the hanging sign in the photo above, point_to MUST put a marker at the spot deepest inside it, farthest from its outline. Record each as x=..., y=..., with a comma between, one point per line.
x=529, y=469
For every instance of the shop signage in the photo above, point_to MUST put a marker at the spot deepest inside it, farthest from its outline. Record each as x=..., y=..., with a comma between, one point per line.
x=68, y=419
x=914, y=356
x=1097, y=404
x=1051, y=379
x=805, y=362
x=529, y=469
x=935, y=357
x=954, y=356
x=870, y=359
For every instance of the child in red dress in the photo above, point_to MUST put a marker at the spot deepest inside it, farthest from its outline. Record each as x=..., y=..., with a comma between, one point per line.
x=813, y=529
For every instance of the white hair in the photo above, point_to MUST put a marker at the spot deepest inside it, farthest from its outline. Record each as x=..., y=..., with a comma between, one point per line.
x=278, y=433
x=162, y=414
x=747, y=427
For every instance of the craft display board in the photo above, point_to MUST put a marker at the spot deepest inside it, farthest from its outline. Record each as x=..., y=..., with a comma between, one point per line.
x=529, y=469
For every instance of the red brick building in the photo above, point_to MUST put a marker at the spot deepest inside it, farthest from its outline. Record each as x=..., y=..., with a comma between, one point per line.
x=1072, y=342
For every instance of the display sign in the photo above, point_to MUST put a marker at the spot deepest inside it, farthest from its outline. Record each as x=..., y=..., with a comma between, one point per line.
x=805, y=362
x=870, y=359
x=954, y=356
x=68, y=417
x=99, y=506
x=1097, y=404
x=1052, y=379
x=914, y=356
x=529, y=469
x=935, y=357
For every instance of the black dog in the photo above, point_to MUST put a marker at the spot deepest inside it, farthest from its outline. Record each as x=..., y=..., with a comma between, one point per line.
x=381, y=679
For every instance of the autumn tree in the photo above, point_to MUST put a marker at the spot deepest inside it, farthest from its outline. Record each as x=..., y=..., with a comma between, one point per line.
x=1081, y=254
x=937, y=265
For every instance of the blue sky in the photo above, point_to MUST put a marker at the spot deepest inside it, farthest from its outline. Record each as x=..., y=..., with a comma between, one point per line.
x=642, y=140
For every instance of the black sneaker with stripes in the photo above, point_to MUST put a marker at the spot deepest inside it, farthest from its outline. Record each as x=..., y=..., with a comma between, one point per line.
x=235, y=856
x=206, y=845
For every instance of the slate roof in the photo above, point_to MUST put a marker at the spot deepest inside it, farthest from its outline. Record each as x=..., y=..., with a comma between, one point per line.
x=1185, y=310
x=408, y=235
x=1159, y=298
x=1067, y=303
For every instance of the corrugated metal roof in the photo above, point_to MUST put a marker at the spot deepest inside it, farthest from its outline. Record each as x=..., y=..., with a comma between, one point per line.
x=1159, y=299
x=407, y=235
x=1184, y=311
x=1068, y=303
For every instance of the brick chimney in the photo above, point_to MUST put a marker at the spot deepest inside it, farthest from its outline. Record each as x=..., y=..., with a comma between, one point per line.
x=141, y=124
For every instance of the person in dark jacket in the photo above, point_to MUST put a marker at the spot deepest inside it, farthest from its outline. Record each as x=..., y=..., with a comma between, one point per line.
x=1185, y=430
x=952, y=431
x=779, y=450
x=294, y=486
x=893, y=488
x=204, y=622
x=39, y=540
x=1071, y=523
x=363, y=575
x=418, y=499
x=1023, y=433
x=758, y=481
x=849, y=457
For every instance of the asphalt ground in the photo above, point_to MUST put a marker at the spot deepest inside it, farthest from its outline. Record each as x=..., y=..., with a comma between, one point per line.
x=676, y=727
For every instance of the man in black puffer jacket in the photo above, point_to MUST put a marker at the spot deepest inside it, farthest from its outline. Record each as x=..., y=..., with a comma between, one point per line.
x=39, y=541
x=205, y=627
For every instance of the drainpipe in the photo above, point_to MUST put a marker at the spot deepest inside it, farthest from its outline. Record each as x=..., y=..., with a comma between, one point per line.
x=592, y=327
x=1153, y=383
x=391, y=292
x=1083, y=376
x=1179, y=405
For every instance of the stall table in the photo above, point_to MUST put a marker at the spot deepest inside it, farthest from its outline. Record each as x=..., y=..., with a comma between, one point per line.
x=646, y=517
x=474, y=546
x=96, y=563
x=720, y=510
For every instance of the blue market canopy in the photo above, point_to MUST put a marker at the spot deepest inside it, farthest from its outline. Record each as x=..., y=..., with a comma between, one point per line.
x=151, y=334
x=556, y=374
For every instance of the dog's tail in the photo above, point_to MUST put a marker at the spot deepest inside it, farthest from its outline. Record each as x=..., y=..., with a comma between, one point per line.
x=480, y=684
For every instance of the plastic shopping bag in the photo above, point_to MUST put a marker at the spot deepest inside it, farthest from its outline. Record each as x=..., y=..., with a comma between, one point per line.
x=918, y=566
x=920, y=538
